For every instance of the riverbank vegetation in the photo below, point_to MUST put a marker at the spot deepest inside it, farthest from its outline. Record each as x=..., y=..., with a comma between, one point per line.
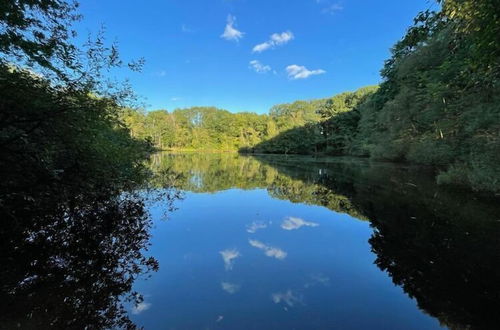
x=71, y=223
x=439, y=101
x=437, y=105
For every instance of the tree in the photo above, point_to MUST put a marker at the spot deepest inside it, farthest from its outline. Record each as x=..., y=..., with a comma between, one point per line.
x=39, y=31
x=70, y=169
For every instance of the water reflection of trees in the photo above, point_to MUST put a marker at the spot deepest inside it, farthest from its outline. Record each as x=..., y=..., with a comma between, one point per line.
x=72, y=267
x=449, y=265
x=71, y=246
x=440, y=245
x=212, y=172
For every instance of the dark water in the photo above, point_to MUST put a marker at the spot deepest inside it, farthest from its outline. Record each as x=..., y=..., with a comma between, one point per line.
x=280, y=242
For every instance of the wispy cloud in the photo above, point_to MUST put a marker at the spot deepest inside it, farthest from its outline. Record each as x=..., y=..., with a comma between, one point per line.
x=301, y=72
x=186, y=29
x=175, y=99
x=330, y=7
x=230, y=288
x=317, y=279
x=228, y=256
x=276, y=39
x=230, y=31
x=288, y=297
x=140, y=307
x=160, y=73
x=259, y=67
x=292, y=223
x=269, y=251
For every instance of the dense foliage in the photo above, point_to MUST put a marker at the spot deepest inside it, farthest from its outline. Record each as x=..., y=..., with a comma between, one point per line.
x=439, y=102
x=325, y=125
x=36, y=32
x=198, y=128
x=290, y=128
x=437, y=105
x=73, y=236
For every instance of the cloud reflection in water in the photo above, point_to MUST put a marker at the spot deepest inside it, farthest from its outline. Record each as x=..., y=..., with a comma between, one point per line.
x=228, y=256
x=289, y=298
x=140, y=307
x=230, y=288
x=256, y=225
x=292, y=223
x=269, y=251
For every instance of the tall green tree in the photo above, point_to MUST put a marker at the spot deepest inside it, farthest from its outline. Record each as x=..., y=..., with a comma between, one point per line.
x=438, y=104
x=73, y=230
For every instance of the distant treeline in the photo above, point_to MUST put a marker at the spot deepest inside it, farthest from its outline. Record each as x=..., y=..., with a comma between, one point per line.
x=438, y=105
x=209, y=128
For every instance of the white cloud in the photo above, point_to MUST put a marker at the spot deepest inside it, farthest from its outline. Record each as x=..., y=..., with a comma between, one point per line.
x=301, y=72
x=228, y=256
x=332, y=8
x=230, y=32
x=140, y=307
x=230, y=288
x=259, y=67
x=261, y=47
x=292, y=223
x=175, y=99
x=269, y=251
x=256, y=225
x=287, y=297
x=276, y=39
x=281, y=38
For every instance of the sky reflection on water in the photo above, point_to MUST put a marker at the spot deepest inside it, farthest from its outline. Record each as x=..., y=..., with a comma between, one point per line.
x=272, y=242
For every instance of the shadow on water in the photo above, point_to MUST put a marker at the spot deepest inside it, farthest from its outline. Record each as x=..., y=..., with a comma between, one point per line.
x=442, y=246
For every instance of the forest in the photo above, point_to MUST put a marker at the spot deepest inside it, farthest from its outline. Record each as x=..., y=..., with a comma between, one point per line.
x=437, y=105
x=77, y=161
x=212, y=129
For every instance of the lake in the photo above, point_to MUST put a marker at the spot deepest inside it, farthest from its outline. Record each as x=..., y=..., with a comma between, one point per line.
x=298, y=242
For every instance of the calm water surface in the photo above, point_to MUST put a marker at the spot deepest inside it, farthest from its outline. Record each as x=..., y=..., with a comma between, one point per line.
x=275, y=242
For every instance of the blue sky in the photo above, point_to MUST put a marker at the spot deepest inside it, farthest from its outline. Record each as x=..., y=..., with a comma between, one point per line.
x=247, y=55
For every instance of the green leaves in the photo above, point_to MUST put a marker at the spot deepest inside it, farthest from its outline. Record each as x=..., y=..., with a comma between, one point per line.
x=439, y=94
